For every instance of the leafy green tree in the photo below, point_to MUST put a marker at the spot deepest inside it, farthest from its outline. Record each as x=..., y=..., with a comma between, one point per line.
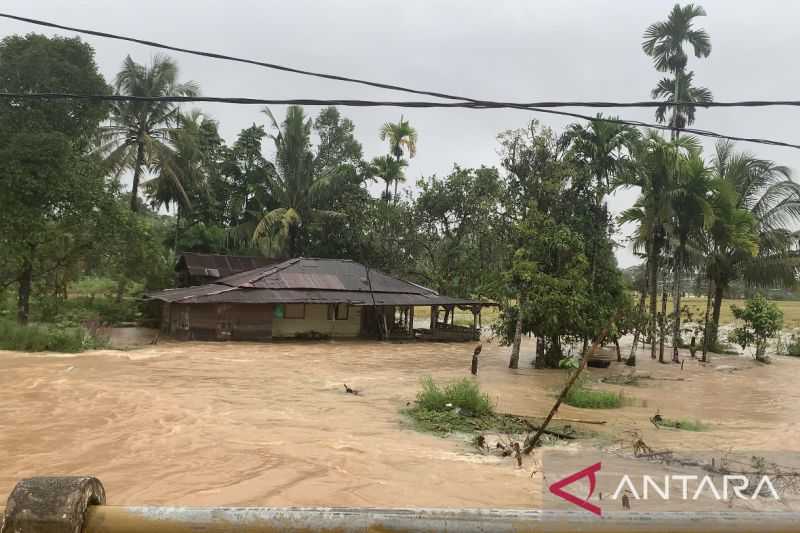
x=138, y=131
x=402, y=139
x=54, y=195
x=463, y=233
x=762, y=321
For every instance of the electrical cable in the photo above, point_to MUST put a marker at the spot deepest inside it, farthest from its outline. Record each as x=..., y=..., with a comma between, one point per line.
x=373, y=103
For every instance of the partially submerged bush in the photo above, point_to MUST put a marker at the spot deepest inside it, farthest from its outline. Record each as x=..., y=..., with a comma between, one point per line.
x=464, y=395
x=40, y=338
x=762, y=320
x=683, y=423
x=594, y=399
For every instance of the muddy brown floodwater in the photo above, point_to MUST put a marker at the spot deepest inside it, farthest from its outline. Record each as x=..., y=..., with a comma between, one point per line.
x=270, y=424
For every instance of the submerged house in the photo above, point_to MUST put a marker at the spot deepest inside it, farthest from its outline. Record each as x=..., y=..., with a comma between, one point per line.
x=198, y=269
x=307, y=297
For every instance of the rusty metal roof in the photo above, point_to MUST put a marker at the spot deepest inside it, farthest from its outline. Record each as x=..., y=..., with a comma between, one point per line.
x=311, y=280
x=219, y=266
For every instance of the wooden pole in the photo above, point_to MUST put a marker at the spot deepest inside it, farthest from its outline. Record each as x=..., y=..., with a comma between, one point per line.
x=531, y=444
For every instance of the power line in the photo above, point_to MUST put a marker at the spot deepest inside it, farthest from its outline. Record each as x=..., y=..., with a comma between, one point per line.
x=374, y=103
x=381, y=85
x=462, y=102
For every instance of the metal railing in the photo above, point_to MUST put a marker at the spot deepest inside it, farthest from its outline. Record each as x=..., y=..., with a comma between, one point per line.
x=61, y=505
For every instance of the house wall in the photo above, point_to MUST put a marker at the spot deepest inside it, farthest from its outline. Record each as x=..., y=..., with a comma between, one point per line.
x=317, y=320
x=218, y=321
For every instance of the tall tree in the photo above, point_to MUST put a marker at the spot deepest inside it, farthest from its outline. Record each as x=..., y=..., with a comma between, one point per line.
x=666, y=42
x=692, y=213
x=139, y=129
x=294, y=184
x=767, y=192
x=402, y=138
x=53, y=194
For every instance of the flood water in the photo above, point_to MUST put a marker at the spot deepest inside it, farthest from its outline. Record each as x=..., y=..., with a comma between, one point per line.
x=270, y=424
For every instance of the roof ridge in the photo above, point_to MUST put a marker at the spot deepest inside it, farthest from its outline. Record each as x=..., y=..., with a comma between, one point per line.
x=263, y=272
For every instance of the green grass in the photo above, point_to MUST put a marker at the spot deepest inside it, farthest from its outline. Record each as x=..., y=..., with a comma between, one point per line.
x=463, y=394
x=684, y=424
x=40, y=338
x=594, y=399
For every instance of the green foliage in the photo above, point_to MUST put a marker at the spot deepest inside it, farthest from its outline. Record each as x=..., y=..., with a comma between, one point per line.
x=40, y=338
x=762, y=321
x=464, y=394
x=684, y=424
x=579, y=396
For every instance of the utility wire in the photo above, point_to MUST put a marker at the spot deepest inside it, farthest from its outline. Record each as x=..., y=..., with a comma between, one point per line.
x=373, y=103
x=380, y=85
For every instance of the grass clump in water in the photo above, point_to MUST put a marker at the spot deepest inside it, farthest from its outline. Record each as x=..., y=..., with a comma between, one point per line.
x=463, y=395
x=456, y=406
x=594, y=399
x=683, y=423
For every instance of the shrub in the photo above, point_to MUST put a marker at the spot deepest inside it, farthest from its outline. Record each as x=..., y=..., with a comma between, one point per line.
x=762, y=320
x=464, y=394
x=40, y=338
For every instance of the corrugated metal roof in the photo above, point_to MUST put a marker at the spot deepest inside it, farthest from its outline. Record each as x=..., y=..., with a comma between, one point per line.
x=312, y=281
x=219, y=266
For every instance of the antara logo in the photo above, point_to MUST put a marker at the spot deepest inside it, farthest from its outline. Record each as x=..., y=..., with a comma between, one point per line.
x=732, y=486
x=589, y=472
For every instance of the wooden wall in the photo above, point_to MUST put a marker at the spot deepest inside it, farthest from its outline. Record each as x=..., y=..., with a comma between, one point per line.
x=218, y=321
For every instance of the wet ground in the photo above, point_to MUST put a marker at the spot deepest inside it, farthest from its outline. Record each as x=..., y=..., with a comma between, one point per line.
x=270, y=424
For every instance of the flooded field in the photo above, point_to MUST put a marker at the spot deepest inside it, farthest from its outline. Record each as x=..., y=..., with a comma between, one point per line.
x=270, y=424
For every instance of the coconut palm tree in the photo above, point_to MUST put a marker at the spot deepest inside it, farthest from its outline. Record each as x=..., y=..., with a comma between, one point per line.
x=179, y=167
x=402, y=138
x=767, y=192
x=138, y=130
x=292, y=186
x=389, y=169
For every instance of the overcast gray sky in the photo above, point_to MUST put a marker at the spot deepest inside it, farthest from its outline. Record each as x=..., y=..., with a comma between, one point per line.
x=512, y=50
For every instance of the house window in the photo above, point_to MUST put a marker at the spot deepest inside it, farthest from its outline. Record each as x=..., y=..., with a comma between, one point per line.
x=294, y=311
x=338, y=311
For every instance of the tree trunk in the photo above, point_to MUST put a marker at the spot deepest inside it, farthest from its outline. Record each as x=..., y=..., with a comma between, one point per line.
x=514, y=361
x=713, y=338
x=395, y=191
x=653, y=261
x=706, y=324
x=662, y=326
x=676, y=308
x=386, y=193
x=631, y=361
x=619, y=352
x=137, y=174
x=25, y=281
x=177, y=228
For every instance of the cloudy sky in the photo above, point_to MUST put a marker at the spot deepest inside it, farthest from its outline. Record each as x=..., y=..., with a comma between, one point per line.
x=513, y=50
